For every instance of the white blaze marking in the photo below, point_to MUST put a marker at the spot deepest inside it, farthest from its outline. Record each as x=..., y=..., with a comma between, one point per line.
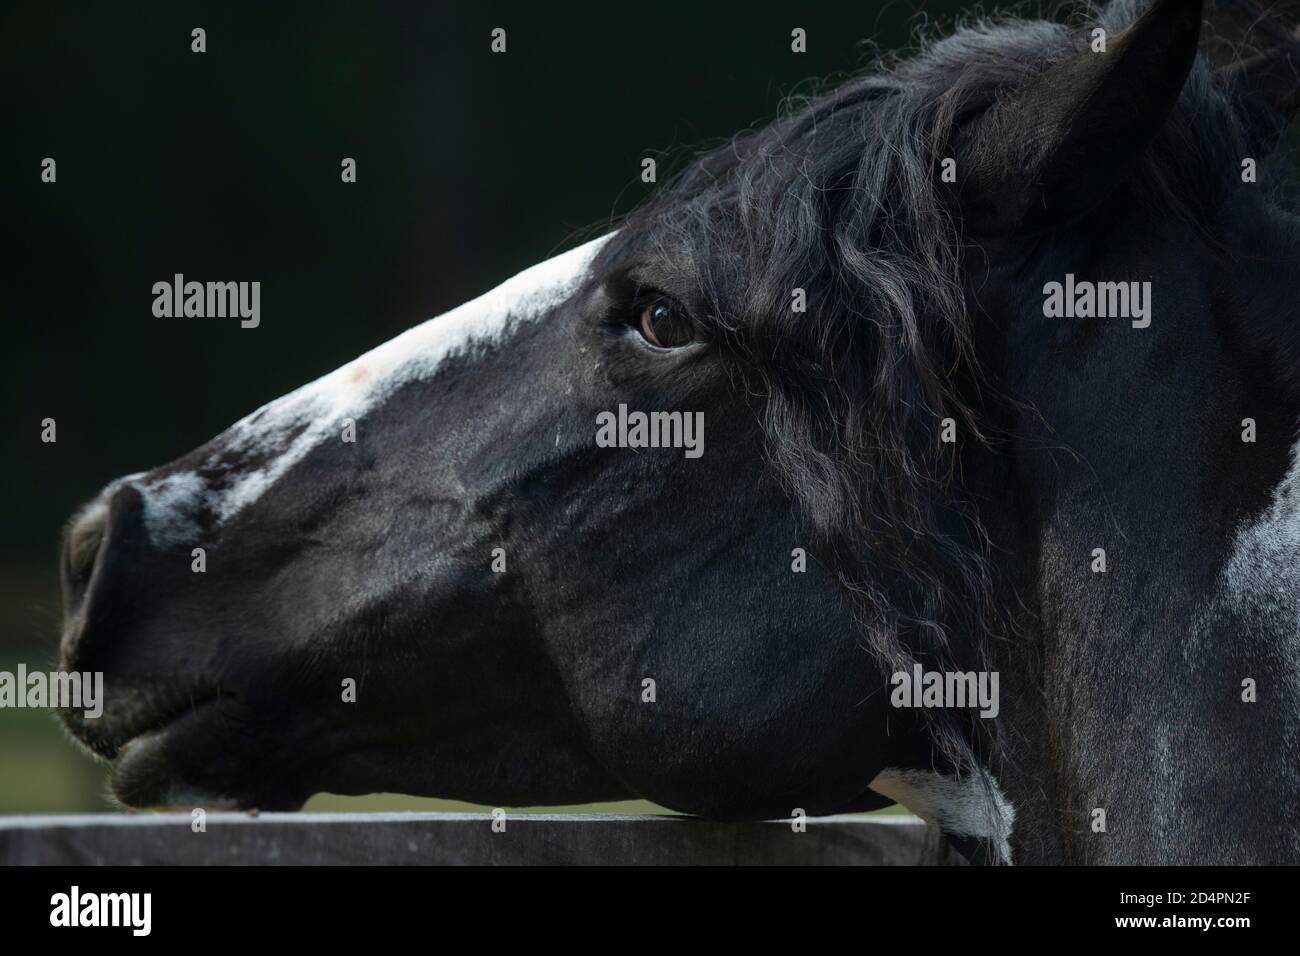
x=317, y=409
x=957, y=805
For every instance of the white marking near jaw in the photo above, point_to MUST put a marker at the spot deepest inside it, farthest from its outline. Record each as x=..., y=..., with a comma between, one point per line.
x=316, y=410
x=957, y=805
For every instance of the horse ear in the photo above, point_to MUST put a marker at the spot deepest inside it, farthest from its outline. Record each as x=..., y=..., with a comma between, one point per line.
x=1053, y=148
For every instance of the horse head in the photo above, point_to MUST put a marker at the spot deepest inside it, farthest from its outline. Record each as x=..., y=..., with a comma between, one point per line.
x=872, y=394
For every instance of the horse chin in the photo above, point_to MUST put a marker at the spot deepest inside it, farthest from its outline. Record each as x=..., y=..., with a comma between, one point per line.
x=173, y=768
x=142, y=781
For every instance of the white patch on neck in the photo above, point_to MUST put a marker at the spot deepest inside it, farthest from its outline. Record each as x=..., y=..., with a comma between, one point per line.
x=956, y=805
x=1260, y=582
x=316, y=410
x=1265, y=561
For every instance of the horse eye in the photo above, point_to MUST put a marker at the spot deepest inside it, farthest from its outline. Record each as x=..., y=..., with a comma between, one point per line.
x=665, y=324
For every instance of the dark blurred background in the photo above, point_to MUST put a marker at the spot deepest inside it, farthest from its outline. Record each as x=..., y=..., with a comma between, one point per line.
x=225, y=166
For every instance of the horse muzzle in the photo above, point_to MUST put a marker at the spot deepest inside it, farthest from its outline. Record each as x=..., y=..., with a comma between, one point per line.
x=166, y=721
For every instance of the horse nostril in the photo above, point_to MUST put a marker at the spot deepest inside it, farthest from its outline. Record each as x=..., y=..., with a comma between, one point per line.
x=100, y=570
x=81, y=543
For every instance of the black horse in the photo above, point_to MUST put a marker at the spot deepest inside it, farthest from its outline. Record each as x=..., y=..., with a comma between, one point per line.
x=996, y=350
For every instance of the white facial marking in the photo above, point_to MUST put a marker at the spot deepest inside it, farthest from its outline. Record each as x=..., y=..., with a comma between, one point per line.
x=957, y=805
x=316, y=410
x=169, y=505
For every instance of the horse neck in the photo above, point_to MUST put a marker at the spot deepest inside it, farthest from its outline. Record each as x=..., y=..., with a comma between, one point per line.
x=1159, y=543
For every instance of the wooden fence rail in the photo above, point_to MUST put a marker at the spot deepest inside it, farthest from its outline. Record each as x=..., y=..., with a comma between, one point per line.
x=463, y=838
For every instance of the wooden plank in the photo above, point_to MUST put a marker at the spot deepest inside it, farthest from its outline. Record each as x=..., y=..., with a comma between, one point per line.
x=463, y=838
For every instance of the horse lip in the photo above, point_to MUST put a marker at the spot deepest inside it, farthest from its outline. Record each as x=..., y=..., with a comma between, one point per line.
x=148, y=772
x=111, y=746
x=161, y=725
x=135, y=763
